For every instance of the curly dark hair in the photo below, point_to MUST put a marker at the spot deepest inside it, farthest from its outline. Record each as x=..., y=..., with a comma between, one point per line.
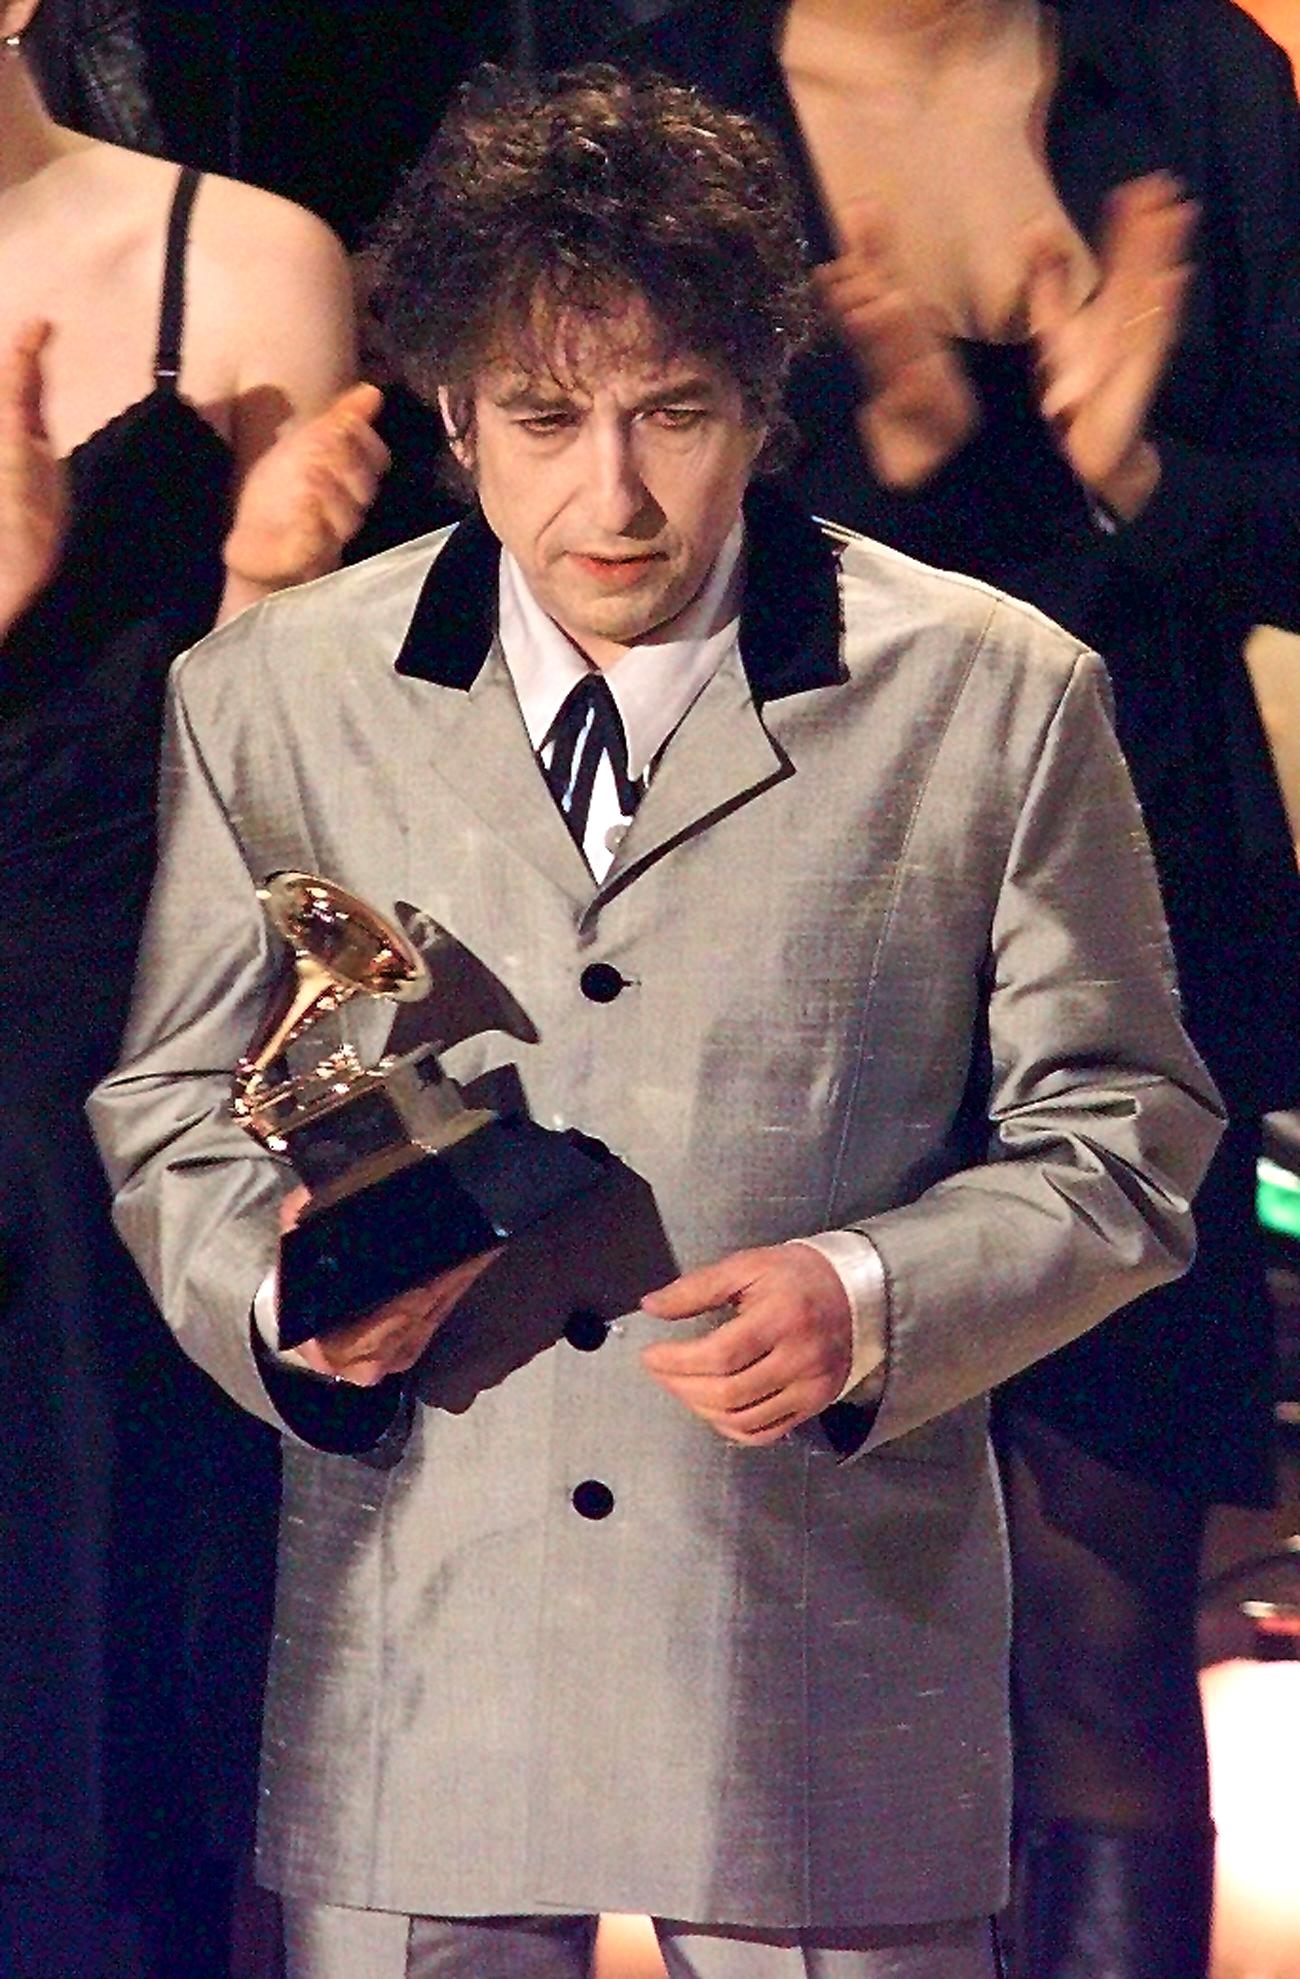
x=539, y=209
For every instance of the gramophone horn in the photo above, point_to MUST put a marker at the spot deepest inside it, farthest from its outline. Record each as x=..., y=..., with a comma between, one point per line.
x=341, y=948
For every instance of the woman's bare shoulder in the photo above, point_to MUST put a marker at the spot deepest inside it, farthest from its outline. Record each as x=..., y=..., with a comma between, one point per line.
x=251, y=231
x=244, y=229
x=270, y=286
x=254, y=228
x=268, y=289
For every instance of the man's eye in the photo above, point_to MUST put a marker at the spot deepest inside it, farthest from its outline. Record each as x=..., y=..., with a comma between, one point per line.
x=679, y=418
x=546, y=422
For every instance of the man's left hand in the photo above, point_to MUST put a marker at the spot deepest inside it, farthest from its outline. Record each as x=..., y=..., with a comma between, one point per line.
x=782, y=1357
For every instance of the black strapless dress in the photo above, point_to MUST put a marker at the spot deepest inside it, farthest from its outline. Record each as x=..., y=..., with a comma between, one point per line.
x=138, y=1504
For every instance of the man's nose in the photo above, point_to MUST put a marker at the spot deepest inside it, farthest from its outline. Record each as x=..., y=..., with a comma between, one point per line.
x=617, y=493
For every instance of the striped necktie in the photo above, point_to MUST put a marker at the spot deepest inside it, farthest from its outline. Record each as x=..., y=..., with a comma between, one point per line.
x=588, y=727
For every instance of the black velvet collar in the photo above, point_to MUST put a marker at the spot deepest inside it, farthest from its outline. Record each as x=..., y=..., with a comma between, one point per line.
x=790, y=622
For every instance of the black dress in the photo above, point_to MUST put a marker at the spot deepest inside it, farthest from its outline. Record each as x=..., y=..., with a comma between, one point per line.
x=138, y=1504
x=1178, y=1388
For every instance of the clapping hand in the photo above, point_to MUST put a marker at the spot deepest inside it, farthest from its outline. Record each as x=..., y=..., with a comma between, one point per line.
x=919, y=407
x=782, y=1357
x=1100, y=362
x=33, y=490
x=308, y=495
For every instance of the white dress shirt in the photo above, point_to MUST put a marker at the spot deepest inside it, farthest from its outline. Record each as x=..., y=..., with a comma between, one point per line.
x=653, y=687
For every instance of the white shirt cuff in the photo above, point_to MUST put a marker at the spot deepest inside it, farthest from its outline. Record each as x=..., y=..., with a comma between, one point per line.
x=266, y=1318
x=857, y=1263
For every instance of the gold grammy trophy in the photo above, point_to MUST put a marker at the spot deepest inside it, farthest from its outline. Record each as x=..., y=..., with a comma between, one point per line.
x=405, y=1179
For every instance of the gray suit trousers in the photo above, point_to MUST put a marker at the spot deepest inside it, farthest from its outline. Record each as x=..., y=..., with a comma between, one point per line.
x=328, y=1942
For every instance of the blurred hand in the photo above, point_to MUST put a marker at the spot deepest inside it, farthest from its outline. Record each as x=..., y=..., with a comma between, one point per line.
x=33, y=489
x=1100, y=362
x=783, y=1356
x=919, y=406
x=391, y=1338
x=305, y=499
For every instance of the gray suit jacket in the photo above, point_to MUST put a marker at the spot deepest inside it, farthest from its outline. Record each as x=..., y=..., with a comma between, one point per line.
x=891, y=956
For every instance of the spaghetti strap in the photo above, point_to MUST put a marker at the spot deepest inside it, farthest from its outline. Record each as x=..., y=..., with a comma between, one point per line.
x=171, y=320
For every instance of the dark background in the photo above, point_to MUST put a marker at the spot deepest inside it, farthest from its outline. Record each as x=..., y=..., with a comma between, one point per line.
x=327, y=101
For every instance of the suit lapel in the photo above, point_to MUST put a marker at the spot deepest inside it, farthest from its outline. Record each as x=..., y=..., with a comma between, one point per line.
x=719, y=758
x=487, y=759
x=789, y=642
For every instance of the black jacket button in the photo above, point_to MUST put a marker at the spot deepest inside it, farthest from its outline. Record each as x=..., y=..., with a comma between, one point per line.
x=593, y=1499
x=600, y=983
x=586, y=1331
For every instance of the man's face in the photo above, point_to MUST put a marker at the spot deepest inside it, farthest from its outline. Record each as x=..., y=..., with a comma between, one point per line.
x=614, y=481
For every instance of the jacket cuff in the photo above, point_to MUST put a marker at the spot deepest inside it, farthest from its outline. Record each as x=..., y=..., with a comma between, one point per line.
x=371, y=1424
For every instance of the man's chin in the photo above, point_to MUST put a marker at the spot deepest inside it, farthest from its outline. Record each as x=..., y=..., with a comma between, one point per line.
x=627, y=620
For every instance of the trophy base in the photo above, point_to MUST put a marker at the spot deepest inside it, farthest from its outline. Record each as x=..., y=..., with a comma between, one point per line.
x=422, y=1218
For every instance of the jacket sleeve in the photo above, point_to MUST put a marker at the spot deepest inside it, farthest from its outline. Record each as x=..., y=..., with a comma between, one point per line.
x=1101, y=1118
x=196, y=1197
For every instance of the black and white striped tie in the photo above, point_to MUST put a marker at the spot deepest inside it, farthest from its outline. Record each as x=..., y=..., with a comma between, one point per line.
x=588, y=727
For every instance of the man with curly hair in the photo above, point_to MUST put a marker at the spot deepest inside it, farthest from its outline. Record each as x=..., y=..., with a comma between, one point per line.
x=659, y=1566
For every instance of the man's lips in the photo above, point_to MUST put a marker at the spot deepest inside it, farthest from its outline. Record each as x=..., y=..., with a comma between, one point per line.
x=616, y=570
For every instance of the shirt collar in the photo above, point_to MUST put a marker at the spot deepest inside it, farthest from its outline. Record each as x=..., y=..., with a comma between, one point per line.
x=653, y=684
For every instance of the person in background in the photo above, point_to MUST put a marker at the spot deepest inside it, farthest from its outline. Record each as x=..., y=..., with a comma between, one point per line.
x=159, y=335
x=1060, y=253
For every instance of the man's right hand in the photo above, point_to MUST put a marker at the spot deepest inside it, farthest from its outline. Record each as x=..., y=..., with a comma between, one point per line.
x=919, y=407
x=392, y=1337
x=33, y=490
